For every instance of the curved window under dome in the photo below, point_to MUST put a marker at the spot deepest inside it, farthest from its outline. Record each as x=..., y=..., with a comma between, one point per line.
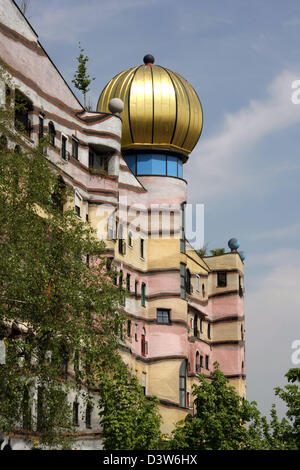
x=155, y=164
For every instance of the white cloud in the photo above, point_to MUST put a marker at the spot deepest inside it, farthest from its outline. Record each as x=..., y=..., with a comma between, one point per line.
x=222, y=157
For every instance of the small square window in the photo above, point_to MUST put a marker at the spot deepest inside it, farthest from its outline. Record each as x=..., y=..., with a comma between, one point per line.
x=222, y=279
x=163, y=316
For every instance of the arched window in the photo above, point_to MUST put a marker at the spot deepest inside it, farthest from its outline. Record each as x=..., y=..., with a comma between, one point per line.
x=52, y=133
x=203, y=290
x=18, y=149
x=143, y=342
x=143, y=295
x=208, y=330
x=182, y=383
x=197, y=361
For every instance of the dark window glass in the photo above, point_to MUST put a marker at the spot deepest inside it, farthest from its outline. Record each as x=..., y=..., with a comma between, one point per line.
x=142, y=248
x=143, y=295
x=196, y=332
x=182, y=280
x=51, y=131
x=128, y=282
x=207, y=362
x=64, y=147
x=222, y=279
x=182, y=384
x=136, y=288
x=26, y=410
x=77, y=211
x=41, y=128
x=129, y=328
x=188, y=282
x=197, y=361
x=163, y=316
x=88, y=416
x=208, y=330
x=75, y=148
x=23, y=106
x=75, y=413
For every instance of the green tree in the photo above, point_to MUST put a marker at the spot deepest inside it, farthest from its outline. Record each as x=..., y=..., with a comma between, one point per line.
x=81, y=78
x=53, y=306
x=217, y=251
x=220, y=418
x=130, y=420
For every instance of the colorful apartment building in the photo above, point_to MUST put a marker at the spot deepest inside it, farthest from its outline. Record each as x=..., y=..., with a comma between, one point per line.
x=125, y=165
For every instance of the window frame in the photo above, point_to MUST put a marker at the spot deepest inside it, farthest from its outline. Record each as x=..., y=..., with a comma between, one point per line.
x=163, y=311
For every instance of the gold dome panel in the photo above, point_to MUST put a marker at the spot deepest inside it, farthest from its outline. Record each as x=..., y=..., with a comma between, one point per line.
x=161, y=109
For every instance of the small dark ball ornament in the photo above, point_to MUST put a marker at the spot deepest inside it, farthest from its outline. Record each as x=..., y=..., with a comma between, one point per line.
x=148, y=59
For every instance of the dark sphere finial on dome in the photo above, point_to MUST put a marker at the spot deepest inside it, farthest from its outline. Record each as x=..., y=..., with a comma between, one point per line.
x=148, y=59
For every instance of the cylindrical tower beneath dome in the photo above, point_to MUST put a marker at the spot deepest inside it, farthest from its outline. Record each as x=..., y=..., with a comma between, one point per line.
x=162, y=117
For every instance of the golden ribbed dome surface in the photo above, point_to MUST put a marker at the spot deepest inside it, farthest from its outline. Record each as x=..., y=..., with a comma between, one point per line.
x=161, y=109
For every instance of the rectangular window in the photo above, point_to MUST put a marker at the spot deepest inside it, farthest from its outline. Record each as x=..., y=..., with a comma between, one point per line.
x=172, y=166
x=144, y=165
x=158, y=165
x=74, y=148
x=182, y=280
x=88, y=416
x=76, y=414
x=128, y=282
x=77, y=204
x=129, y=328
x=64, y=147
x=41, y=127
x=201, y=361
x=207, y=362
x=197, y=282
x=91, y=159
x=221, y=279
x=163, y=316
x=143, y=295
x=144, y=376
x=142, y=248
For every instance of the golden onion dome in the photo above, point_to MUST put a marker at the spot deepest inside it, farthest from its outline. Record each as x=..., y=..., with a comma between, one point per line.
x=161, y=109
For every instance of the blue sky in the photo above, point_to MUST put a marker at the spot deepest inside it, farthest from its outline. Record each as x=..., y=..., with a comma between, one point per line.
x=241, y=57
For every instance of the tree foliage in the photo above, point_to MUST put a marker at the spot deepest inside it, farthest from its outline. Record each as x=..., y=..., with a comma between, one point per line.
x=53, y=306
x=130, y=420
x=220, y=418
x=81, y=78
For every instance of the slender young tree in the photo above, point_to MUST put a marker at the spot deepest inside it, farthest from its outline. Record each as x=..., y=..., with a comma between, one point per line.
x=81, y=78
x=55, y=309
